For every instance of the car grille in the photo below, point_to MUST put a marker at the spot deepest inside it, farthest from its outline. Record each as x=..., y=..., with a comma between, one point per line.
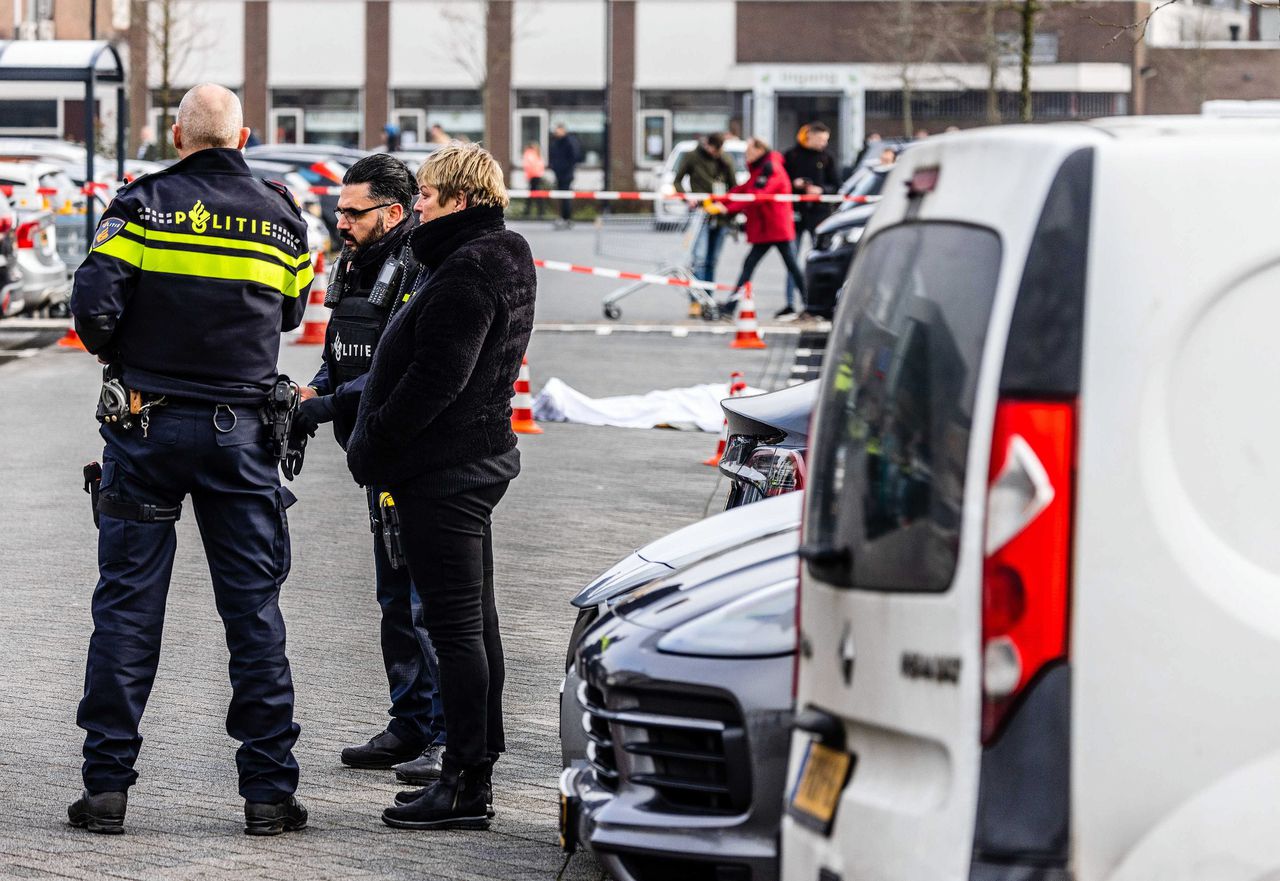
x=690, y=749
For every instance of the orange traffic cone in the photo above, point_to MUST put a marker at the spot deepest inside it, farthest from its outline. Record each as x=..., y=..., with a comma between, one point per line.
x=316, y=319
x=748, y=335
x=71, y=340
x=522, y=405
x=736, y=387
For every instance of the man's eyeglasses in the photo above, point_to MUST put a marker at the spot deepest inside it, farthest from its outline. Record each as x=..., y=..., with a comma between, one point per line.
x=354, y=214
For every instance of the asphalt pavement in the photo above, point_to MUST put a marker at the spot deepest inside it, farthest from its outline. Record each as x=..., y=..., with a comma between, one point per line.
x=586, y=496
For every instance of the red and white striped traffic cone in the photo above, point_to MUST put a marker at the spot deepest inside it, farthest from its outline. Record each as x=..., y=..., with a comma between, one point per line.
x=748, y=335
x=522, y=404
x=736, y=386
x=316, y=319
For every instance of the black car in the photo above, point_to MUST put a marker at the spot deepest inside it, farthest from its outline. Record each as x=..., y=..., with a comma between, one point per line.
x=768, y=437
x=836, y=241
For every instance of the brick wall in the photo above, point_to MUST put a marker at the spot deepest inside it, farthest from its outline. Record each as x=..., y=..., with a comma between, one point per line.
x=1179, y=80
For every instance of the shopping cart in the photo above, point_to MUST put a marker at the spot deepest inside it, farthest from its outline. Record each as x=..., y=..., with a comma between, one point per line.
x=639, y=237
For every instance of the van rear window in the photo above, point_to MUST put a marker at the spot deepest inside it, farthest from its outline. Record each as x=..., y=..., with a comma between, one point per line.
x=895, y=410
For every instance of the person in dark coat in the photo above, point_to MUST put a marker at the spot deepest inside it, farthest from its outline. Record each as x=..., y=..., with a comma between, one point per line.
x=813, y=171
x=708, y=171
x=434, y=427
x=769, y=224
x=563, y=155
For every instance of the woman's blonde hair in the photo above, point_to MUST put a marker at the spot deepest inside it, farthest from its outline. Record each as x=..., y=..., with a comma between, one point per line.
x=458, y=169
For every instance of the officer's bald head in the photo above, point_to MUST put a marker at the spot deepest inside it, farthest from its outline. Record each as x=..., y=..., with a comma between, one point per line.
x=209, y=116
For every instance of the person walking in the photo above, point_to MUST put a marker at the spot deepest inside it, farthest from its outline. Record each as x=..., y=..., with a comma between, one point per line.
x=535, y=174
x=193, y=274
x=813, y=171
x=434, y=427
x=770, y=224
x=374, y=221
x=564, y=154
x=708, y=171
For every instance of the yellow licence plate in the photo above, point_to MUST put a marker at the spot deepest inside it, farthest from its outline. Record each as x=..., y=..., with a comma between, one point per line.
x=822, y=778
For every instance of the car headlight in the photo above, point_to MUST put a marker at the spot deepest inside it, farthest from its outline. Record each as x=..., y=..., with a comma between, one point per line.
x=762, y=624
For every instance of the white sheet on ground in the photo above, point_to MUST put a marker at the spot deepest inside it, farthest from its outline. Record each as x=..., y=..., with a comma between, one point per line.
x=694, y=408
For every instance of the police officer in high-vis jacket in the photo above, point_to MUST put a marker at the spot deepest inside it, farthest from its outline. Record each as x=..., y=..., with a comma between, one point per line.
x=371, y=278
x=193, y=274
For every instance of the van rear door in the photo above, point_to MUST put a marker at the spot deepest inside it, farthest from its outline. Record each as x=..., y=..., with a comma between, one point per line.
x=883, y=542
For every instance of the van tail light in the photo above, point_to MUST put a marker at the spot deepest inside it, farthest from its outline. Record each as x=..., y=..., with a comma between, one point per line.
x=1027, y=566
x=6, y=224
x=27, y=233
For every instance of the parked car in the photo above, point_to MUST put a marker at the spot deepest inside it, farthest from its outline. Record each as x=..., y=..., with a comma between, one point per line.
x=45, y=283
x=321, y=165
x=1038, y=604
x=701, y=551
x=767, y=438
x=12, y=297
x=318, y=237
x=46, y=185
x=675, y=211
x=685, y=700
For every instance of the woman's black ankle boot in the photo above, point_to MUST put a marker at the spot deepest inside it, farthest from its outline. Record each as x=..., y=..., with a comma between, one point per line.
x=458, y=800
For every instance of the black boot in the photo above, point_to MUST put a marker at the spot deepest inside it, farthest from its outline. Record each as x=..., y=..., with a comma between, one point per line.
x=263, y=818
x=384, y=750
x=456, y=801
x=102, y=813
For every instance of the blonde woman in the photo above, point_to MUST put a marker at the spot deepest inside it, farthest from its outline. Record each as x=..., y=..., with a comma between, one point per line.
x=434, y=427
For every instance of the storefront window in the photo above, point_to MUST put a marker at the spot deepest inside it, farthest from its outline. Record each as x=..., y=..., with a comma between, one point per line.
x=329, y=116
x=581, y=111
x=458, y=112
x=695, y=113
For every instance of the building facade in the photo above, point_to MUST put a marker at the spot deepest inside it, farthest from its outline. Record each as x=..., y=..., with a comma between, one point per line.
x=633, y=77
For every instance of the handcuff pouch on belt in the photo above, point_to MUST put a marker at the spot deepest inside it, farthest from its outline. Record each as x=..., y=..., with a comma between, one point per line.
x=119, y=406
x=139, y=512
x=384, y=521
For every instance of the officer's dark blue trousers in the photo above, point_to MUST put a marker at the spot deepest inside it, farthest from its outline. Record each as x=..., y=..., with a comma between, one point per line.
x=413, y=673
x=239, y=505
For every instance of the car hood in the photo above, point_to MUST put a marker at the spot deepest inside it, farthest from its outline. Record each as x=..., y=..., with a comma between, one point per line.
x=773, y=415
x=703, y=587
x=854, y=215
x=710, y=537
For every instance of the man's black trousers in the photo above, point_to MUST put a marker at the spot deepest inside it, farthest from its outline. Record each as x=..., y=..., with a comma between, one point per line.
x=230, y=476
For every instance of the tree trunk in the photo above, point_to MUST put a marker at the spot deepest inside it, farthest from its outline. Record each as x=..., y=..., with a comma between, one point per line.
x=1028, y=12
x=992, y=47
x=166, y=75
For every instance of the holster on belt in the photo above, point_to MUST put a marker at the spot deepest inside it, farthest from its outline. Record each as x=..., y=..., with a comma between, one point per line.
x=390, y=519
x=92, y=485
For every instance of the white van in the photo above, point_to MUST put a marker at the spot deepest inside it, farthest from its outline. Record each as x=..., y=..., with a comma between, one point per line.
x=1040, y=608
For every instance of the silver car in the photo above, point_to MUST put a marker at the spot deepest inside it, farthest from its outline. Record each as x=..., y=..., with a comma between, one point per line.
x=685, y=700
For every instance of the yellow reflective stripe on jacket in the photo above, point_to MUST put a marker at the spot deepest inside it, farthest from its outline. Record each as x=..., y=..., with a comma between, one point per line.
x=221, y=266
x=128, y=250
x=301, y=278
x=221, y=242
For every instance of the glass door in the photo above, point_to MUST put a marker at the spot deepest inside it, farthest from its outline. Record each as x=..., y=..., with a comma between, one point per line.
x=653, y=137
x=413, y=126
x=531, y=126
x=286, y=126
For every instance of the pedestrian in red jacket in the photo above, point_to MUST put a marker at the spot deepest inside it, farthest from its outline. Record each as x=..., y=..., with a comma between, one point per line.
x=769, y=224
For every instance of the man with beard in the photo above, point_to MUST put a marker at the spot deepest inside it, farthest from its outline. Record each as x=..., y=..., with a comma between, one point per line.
x=371, y=279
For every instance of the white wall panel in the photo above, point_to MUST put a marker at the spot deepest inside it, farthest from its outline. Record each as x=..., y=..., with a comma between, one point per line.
x=559, y=44
x=437, y=44
x=685, y=45
x=206, y=40
x=315, y=44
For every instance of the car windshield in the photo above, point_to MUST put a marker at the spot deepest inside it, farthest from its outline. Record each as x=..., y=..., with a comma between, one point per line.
x=896, y=405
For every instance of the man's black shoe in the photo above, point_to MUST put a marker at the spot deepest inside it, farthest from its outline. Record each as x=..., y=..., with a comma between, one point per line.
x=424, y=769
x=262, y=818
x=455, y=801
x=102, y=813
x=385, y=750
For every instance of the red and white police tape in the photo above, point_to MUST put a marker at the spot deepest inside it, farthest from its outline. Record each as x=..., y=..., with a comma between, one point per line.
x=637, y=196
x=647, y=277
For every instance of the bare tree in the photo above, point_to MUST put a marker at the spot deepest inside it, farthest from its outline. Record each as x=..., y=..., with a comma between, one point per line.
x=175, y=33
x=467, y=40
